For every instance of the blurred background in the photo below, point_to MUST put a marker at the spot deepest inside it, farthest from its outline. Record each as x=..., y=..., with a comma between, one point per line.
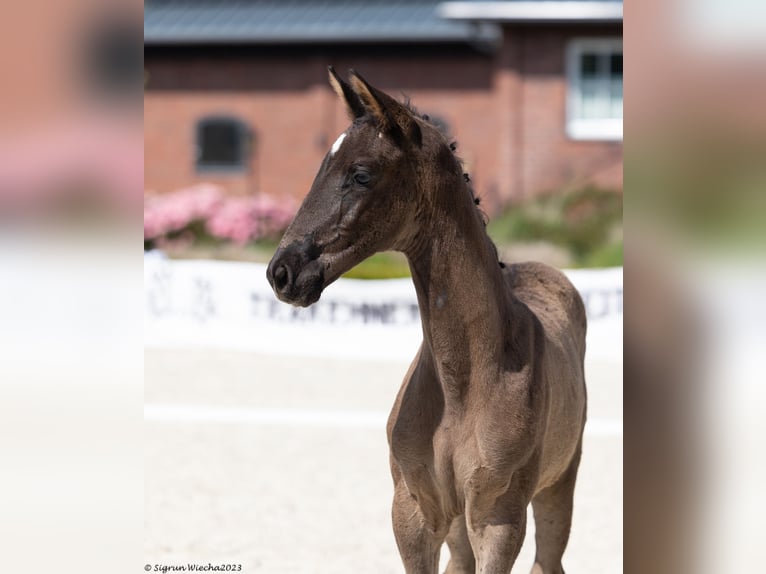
x=239, y=113
x=71, y=290
x=71, y=118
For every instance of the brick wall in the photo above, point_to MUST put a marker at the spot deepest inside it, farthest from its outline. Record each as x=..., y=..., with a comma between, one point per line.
x=550, y=160
x=506, y=111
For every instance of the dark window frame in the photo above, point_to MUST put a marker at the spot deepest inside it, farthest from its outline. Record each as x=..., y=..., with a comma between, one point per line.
x=244, y=145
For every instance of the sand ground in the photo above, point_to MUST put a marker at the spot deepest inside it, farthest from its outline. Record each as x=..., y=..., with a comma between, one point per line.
x=280, y=465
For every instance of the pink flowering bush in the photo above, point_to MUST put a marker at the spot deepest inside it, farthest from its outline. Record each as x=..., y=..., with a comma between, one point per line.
x=173, y=212
x=236, y=220
x=206, y=210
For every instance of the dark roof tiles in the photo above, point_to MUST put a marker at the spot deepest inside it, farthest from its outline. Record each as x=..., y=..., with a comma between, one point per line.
x=303, y=21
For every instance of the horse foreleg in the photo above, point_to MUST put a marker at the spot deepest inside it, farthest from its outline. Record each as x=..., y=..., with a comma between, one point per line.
x=497, y=545
x=461, y=560
x=419, y=543
x=496, y=524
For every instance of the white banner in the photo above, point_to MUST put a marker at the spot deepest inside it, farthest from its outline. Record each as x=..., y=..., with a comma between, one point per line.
x=231, y=305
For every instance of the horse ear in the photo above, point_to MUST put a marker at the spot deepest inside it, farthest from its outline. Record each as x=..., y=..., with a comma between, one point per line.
x=393, y=118
x=354, y=105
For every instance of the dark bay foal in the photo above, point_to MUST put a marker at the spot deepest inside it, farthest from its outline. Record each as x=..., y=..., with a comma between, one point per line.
x=491, y=412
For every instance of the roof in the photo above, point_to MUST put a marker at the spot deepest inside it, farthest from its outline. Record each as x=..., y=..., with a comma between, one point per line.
x=559, y=11
x=305, y=21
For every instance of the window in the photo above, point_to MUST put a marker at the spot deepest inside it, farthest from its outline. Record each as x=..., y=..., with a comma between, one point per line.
x=222, y=144
x=594, y=91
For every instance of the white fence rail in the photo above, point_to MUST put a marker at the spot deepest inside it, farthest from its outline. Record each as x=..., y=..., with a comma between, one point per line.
x=230, y=305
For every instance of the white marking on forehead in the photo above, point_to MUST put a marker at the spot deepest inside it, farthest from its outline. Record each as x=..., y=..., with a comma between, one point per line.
x=336, y=146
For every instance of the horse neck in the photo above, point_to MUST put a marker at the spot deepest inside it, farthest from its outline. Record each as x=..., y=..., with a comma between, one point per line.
x=464, y=306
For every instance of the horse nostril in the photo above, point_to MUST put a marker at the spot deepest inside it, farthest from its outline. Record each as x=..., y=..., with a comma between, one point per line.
x=281, y=278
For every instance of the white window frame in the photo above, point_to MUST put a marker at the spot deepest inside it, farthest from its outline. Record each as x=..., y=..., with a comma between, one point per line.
x=609, y=129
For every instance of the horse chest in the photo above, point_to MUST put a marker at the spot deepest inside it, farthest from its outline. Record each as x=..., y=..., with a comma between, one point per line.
x=438, y=443
x=428, y=462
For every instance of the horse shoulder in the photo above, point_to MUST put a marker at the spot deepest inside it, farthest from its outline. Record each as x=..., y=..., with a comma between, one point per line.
x=416, y=413
x=508, y=423
x=549, y=294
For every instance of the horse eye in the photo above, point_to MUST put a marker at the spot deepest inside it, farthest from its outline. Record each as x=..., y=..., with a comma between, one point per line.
x=362, y=178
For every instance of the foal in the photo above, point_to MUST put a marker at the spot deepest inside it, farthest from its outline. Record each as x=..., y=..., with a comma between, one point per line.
x=490, y=414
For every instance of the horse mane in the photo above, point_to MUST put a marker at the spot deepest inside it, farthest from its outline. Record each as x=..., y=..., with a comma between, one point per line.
x=467, y=178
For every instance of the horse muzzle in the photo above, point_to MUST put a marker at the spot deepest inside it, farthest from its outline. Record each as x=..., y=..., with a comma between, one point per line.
x=295, y=276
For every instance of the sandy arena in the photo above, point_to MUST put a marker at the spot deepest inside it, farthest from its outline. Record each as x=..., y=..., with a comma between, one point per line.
x=280, y=465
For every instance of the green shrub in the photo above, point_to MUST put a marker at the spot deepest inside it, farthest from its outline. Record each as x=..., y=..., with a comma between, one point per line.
x=606, y=256
x=386, y=265
x=583, y=222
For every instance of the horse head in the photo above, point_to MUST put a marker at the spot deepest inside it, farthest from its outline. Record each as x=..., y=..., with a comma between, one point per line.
x=364, y=198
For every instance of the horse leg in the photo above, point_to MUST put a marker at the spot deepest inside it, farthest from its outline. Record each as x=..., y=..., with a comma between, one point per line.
x=419, y=544
x=553, y=520
x=496, y=518
x=496, y=543
x=461, y=559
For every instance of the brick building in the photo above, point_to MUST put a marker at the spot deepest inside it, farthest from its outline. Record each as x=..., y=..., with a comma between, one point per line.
x=237, y=93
